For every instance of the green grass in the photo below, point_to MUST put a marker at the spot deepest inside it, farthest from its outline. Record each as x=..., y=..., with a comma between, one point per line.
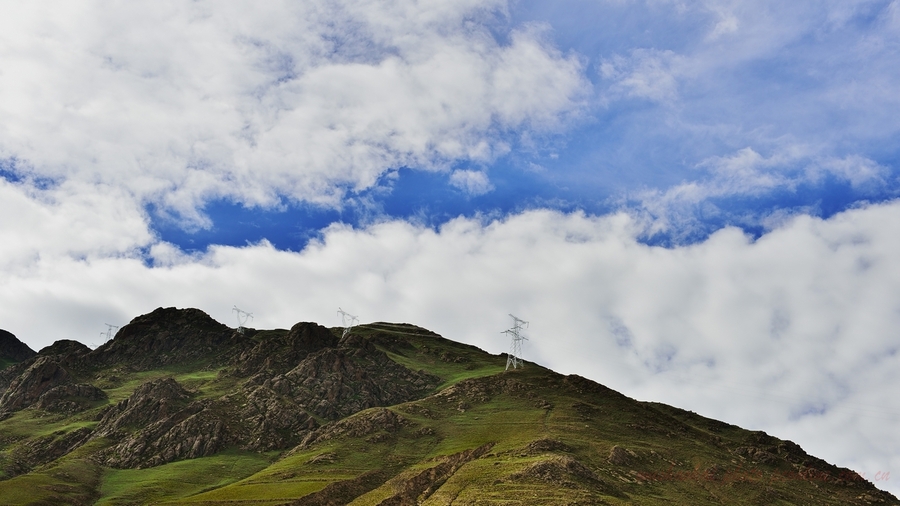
x=178, y=480
x=71, y=479
x=434, y=354
x=35, y=423
x=265, y=493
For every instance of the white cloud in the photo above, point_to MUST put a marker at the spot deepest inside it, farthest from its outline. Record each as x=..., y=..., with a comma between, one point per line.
x=747, y=173
x=794, y=333
x=646, y=73
x=473, y=182
x=181, y=102
x=68, y=220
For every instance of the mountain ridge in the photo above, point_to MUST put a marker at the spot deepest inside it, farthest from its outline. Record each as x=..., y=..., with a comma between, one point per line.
x=388, y=414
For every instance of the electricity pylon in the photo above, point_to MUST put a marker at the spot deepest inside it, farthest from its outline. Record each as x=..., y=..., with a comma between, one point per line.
x=514, y=357
x=110, y=331
x=345, y=318
x=242, y=317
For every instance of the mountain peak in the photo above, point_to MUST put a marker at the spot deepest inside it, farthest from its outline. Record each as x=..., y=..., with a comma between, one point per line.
x=12, y=350
x=163, y=337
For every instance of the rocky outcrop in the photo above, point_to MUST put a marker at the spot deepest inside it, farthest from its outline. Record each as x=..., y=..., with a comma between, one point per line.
x=195, y=431
x=415, y=489
x=13, y=350
x=762, y=448
x=64, y=348
x=11, y=372
x=150, y=403
x=565, y=472
x=158, y=424
x=558, y=470
x=270, y=421
x=359, y=425
x=337, y=382
x=545, y=445
x=69, y=399
x=328, y=382
x=273, y=353
x=164, y=337
x=480, y=390
x=42, y=375
x=343, y=492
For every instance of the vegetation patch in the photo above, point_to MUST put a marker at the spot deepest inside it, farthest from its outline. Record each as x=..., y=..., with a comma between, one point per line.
x=177, y=481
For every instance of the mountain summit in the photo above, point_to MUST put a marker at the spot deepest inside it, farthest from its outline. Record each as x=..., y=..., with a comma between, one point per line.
x=12, y=350
x=180, y=409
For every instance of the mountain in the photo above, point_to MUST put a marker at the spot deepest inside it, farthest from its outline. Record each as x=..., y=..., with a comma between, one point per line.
x=180, y=409
x=12, y=350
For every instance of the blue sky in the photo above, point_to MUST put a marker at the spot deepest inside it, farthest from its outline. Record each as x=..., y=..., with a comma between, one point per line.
x=716, y=181
x=794, y=89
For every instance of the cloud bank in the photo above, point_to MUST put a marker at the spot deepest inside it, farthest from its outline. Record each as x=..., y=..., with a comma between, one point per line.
x=802, y=321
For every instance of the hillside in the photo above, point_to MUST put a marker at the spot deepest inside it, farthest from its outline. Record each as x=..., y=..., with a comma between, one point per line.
x=180, y=409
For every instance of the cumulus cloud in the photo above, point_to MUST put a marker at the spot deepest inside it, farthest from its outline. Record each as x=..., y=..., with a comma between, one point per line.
x=67, y=220
x=473, y=182
x=745, y=173
x=792, y=333
x=182, y=102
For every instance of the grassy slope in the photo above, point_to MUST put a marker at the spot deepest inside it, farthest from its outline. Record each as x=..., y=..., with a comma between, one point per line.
x=673, y=457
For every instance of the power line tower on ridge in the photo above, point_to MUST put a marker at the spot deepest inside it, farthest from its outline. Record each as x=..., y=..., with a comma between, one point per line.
x=110, y=331
x=242, y=317
x=514, y=357
x=347, y=321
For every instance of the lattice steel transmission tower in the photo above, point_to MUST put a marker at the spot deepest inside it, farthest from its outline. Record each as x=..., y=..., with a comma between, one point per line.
x=110, y=331
x=345, y=318
x=242, y=317
x=514, y=357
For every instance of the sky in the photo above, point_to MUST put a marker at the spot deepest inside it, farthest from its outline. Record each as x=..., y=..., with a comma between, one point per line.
x=694, y=203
